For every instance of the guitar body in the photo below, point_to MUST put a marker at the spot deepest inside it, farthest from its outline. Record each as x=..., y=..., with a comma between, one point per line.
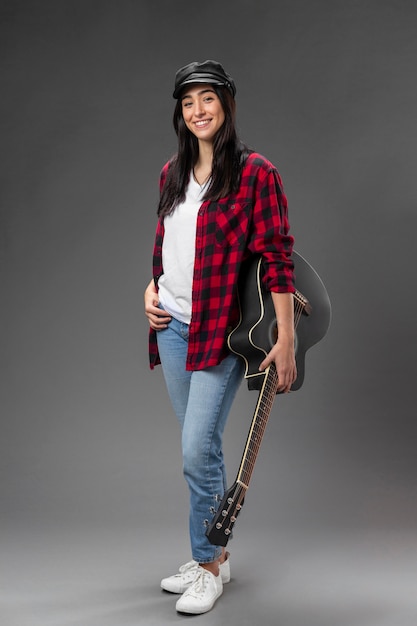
x=252, y=339
x=256, y=332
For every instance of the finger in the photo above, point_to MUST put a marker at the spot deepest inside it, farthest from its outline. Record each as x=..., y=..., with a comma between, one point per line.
x=156, y=312
x=284, y=382
x=265, y=363
x=283, y=388
x=157, y=325
x=158, y=322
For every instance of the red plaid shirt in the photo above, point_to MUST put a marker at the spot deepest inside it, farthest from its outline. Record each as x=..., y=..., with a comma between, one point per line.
x=254, y=220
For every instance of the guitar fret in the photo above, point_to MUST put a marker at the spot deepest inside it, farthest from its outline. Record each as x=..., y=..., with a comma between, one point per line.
x=259, y=423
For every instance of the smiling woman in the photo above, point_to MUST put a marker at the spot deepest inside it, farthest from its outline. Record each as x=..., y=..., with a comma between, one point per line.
x=219, y=204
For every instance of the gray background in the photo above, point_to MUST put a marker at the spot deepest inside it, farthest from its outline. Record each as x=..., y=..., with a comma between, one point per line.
x=93, y=505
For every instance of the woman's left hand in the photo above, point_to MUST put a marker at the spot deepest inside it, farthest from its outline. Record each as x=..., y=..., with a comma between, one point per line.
x=283, y=355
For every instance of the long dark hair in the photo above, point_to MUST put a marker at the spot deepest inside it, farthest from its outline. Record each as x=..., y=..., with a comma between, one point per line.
x=229, y=154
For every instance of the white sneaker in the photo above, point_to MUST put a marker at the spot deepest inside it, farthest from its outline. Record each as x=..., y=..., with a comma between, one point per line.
x=202, y=594
x=178, y=583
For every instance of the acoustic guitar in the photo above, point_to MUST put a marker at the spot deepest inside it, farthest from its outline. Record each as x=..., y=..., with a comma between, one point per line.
x=252, y=339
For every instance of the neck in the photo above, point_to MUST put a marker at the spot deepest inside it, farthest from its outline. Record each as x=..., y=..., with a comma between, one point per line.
x=205, y=155
x=203, y=166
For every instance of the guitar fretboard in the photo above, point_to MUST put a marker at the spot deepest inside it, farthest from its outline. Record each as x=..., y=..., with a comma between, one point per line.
x=258, y=426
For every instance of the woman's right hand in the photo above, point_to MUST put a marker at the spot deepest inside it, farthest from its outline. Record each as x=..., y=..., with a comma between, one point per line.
x=158, y=318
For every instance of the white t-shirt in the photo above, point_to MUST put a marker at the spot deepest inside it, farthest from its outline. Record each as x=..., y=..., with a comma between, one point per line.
x=178, y=253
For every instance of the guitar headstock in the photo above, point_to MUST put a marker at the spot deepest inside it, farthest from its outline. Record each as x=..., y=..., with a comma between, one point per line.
x=220, y=529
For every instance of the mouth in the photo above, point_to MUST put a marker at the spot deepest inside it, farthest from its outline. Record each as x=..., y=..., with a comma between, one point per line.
x=202, y=123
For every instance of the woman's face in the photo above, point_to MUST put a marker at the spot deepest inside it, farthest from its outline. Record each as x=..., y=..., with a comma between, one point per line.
x=202, y=111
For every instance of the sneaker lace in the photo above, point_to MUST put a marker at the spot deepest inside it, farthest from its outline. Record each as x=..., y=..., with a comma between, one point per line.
x=199, y=584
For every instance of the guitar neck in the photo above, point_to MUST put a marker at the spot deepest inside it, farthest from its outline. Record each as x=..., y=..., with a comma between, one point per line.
x=257, y=429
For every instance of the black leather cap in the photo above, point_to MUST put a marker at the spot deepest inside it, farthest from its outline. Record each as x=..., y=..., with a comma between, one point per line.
x=207, y=72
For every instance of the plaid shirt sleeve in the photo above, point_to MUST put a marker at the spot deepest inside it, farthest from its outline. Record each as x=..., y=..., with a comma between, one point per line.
x=252, y=221
x=270, y=232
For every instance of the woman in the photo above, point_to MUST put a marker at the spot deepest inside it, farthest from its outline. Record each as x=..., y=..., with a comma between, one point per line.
x=219, y=203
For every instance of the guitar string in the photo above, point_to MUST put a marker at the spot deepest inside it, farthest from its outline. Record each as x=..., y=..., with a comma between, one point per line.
x=244, y=464
x=254, y=449
x=298, y=309
x=261, y=420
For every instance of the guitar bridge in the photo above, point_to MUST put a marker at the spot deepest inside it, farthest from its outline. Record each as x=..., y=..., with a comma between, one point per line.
x=302, y=301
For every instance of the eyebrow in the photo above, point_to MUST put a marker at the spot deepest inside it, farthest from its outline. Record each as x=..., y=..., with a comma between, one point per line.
x=200, y=93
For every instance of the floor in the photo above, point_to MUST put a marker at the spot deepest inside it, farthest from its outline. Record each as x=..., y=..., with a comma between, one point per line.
x=110, y=577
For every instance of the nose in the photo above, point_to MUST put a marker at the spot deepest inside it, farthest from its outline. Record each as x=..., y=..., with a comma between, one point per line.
x=199, y=109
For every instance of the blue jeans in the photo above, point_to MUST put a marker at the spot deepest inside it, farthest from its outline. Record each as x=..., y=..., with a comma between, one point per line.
x=202, y=401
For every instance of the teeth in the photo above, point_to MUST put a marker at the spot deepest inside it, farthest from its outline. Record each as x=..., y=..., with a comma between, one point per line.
x=201, y=123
